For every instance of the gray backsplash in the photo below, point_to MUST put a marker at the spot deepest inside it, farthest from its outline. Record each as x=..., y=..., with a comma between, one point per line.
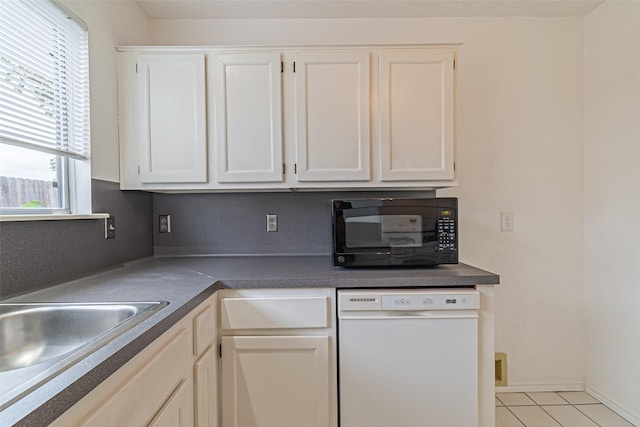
x=235, y=223
x=38, y=254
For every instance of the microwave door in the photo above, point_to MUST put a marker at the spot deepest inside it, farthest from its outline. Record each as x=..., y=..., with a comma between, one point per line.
x=401, y=230
x=363, y=232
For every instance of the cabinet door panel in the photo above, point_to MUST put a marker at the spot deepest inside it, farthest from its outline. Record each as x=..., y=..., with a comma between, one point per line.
x=248, y=116
x=416, y=115
x=275, y=312
x=279, y=381
x=178, y=410
x=155, y=382
x=332, y=116
x=171, y=118
x=204, y=330
x=206, y=379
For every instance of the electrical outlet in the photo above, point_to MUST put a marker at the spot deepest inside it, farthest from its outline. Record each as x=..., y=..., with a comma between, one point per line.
x=164, y=223
x=272, y=222
x=506, y=221
x=110, y=227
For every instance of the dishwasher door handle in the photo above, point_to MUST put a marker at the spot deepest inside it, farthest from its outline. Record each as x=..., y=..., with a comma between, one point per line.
x=408, y=315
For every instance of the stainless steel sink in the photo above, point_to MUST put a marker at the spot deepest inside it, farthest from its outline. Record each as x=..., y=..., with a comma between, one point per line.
x=39, y=340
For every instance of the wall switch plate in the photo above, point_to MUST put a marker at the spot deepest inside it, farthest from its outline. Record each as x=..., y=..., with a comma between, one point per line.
x=110, y=227
x=164, y=223
x=506, y=221
x=272, y=222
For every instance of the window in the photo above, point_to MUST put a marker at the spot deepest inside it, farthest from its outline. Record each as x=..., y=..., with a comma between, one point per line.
x=44, y=110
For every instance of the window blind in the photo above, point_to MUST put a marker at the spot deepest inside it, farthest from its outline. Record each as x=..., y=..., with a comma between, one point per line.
x=44, y=79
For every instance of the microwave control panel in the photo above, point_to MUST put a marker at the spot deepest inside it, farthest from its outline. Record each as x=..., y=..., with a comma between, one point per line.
x=447, y=230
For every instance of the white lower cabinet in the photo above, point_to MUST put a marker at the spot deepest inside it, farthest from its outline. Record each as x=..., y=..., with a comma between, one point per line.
x=278, y=358
x=278, y=367
x=178, y=410
x=206, y=389
x=276, y=381
x=158, y=386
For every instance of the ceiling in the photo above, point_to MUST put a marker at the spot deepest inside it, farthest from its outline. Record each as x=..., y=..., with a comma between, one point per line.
x=270, y=9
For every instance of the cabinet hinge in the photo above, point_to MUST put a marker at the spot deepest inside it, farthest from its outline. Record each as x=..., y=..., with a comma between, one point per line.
x=282, y=66
x=220, y=351
x=294, y=66
x=295, y=168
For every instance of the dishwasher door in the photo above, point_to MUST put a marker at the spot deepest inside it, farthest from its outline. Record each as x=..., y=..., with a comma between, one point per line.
x=408, y=358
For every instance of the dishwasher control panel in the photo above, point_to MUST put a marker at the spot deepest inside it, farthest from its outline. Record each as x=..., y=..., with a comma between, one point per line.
x=436, y=299
x=428, y=302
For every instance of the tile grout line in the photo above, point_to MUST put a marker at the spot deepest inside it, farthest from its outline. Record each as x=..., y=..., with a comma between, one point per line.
x=516, y=417
x=552, y=417
x=574, y=406
x=586, y=415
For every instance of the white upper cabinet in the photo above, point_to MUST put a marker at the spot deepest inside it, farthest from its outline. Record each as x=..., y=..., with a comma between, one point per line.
x=170, y=118
x=278, y=118
x=332, y=116
x=247, y=93
x=416, y=115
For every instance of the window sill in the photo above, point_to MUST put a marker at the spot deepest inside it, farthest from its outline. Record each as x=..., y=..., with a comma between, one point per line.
x=51, y=217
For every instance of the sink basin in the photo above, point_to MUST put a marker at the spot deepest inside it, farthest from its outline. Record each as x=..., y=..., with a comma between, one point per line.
x=39, y=340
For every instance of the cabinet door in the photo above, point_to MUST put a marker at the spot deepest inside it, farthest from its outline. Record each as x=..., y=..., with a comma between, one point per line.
x=170, y=124
x=248, y=117
x=139, y=399
x=206, y=386
x=332, y=116
x=416, y=115
x=178, y=410
x=279, y=381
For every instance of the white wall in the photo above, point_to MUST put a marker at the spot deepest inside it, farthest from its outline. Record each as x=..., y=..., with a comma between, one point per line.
x=519, y=148
x=111, y=23
x=612, y=204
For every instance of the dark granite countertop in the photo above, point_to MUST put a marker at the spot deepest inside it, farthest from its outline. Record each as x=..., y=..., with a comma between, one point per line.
x=185, y=282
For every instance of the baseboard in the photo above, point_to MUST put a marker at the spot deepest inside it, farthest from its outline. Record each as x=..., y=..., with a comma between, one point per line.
x=524, y=387
x=614, y=406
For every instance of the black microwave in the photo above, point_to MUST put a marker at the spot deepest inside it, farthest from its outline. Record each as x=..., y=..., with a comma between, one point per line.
x=395, y=232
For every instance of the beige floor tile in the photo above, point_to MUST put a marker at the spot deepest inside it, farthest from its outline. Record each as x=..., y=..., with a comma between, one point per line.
x=515, y=399
x=569, y=416
x=547, y=398
x=498, y=403
x=604, y=416
x=578, y=397
x=504, y=418
x=534, y=416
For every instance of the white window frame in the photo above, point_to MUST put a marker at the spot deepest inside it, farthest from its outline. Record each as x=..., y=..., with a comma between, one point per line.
x=74, y=151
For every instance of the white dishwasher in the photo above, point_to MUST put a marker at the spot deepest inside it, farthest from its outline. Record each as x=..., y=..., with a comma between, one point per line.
x=408, y=358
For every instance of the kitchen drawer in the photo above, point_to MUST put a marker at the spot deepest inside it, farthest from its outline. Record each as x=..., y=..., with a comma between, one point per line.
x=204, y=330
x=275, y=313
